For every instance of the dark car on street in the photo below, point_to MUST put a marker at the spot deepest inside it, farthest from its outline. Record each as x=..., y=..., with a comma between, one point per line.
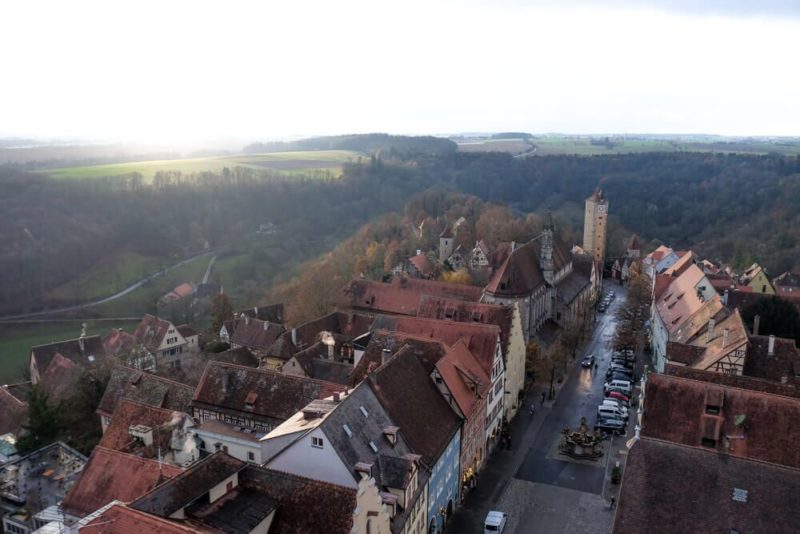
x=616, y=426
x=588, y=360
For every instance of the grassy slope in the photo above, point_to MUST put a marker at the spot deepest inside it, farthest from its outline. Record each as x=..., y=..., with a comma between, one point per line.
x=281, y=161
x=107, y=277
x=17, y=340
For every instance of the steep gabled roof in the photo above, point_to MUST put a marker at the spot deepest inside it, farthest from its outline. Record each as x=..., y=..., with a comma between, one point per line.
x=737, y=381
x=260, y=393
x=469, y=312
x=304, y=505
x=120, y=519
x=707, y=492
x=13, y=412
x=59, y=380
x=151, y=331
x=464, y=377
x=118, y=342
x=421, y=263
x=520, y=273
x=322, y=368
x=272, y=313
x=144, y=387
x=84, y=351
x=347, y=323
x=676, y=410
x=186, y=487
x=481, y=339
x=680, y=300
x=407, y=392
x=782, y=365
x=255, y=334
x=240, y=356
x=111, y=475
x=131, y=413
x=427, y=351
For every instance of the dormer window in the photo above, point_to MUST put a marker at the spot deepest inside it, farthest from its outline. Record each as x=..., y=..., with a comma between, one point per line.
x=391, y=434
x=250, y=400
x=712, y=409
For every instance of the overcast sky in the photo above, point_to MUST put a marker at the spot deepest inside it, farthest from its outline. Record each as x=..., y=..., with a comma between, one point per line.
x=171, y=71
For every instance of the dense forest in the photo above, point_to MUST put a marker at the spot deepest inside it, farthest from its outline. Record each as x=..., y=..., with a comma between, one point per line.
x=385, y=145
x=729, y=207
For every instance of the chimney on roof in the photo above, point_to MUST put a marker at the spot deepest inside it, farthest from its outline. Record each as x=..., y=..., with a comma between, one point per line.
x=143, y=433
x=225, y=380
x=386, y=354
x=336, y=397
x=711, y=324
x=756, y=323
x=255, y=311
x=294, y=336
x=513, y=246
x=725, y=334
x=771, y=346
x=725, y=298
x=246, y=319
x=419, y=252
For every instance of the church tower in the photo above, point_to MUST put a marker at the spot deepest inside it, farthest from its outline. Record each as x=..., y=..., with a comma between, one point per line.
x=446, y=244
x=595, y=223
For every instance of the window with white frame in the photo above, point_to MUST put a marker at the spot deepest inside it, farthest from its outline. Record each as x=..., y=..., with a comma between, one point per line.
x=316, y=442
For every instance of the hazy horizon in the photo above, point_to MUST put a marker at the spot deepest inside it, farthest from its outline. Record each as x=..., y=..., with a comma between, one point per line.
x=199, y=73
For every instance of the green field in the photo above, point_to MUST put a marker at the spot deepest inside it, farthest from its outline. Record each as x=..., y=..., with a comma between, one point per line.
x=599, y=145
x=143, y=300
x=287, y=162
x=17, y=340
x=107, y=277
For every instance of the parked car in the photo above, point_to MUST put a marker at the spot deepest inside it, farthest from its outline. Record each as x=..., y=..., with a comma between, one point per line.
x=623, y=386
x=588, y=360
x=619, y=360
x=619, y=376
x=614, y=394
x=616, y=426
x=495, y=522
x=601, y=307
x=608, y=412
x=617, y=404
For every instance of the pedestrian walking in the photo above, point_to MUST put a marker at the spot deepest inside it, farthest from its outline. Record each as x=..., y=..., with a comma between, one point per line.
x=543, y=396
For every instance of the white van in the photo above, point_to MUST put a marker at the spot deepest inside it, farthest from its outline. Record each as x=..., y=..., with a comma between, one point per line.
x=495, y=522
x=614, y=403
x=610, y=412
x=621, y=385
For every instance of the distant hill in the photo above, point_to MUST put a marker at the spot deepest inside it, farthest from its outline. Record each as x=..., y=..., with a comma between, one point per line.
x=390, y=145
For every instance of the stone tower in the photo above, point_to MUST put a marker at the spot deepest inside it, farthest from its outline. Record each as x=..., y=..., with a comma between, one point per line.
x=446, y=240
x=595, y=223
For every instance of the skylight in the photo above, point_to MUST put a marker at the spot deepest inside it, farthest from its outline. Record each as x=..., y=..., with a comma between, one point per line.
x=739, y=495
x=347, y=431
x=373, y=446
x=364, y=411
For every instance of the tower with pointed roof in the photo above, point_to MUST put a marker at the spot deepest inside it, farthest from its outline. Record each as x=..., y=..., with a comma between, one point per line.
x=446, y=242
x=595, y=224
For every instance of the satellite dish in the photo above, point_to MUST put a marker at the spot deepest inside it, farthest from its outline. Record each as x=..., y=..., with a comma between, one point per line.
x=739, y=420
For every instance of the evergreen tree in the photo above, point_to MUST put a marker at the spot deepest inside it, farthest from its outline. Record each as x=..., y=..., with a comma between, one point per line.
x=44, y=422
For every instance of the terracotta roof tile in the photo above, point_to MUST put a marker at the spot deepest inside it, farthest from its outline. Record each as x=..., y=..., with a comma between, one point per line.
x=779, y=366
x=255, y=334
x=428, y=352
x=151, y=331
x=141, y=386
x=130, y=413
x=186, y=487
x=421, y=263
x=738, y=381
x=85, y=352
x=464, y=377
x=118, y=342
x=225, y=387
x=674, y=409
x=699, y=485
x=402, y=296
x=111, y=475
x=13, y=412
x=304, y=505
x=120, y=519
x=481, y=339
x=348, y=324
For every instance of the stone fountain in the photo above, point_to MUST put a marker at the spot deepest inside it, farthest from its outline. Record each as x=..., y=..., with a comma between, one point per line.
x=581, y=444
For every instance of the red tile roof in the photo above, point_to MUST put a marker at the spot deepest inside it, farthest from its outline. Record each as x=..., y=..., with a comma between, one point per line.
x=60, y=378
x=480, y=339
x=130, y=413
x=469, y=312
x=668, y=488
x=738, y=381
x=13, y=412
x=676, y=410
x=111, y=475
x=347, y=323
x=151, y=331
x=520, y=273
x=782, y=365
x=144, y=387
x=118, y=342
x=421, y=263
x=402, y=296
x=225, y=387
x=120, y=519
x=255, y=334
x=464, y=377
x=428, y=351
